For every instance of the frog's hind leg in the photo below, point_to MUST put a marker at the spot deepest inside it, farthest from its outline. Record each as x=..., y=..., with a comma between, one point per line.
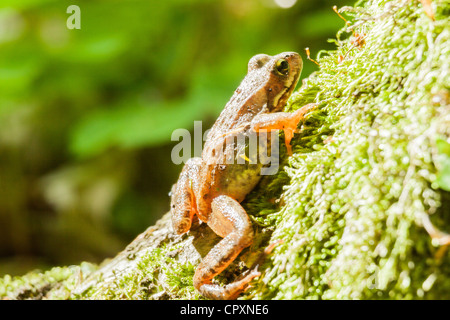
x=230, y=221
x=183, y=205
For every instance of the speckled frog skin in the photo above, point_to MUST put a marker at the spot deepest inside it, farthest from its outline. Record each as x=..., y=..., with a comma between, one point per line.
x=212, y=188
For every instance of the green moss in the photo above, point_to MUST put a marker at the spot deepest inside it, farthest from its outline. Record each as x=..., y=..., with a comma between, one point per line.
x=56, y=283
x=363, y=174
x=142, y=280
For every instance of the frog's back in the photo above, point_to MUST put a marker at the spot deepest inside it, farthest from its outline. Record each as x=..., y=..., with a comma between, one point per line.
x=243, y=106
x=265, y=89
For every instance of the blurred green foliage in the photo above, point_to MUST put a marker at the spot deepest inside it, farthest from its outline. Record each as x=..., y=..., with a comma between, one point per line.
x=86, y=115
x=443, y=178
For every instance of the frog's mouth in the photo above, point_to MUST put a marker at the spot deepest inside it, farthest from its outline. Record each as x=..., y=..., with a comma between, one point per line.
x=281, y=99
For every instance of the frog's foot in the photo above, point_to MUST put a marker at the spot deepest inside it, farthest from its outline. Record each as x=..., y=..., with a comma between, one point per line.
x=183, y=205
x=286, y=121
x=262, y=256
x=229, y=220
x=271, y=246
x=230, y=291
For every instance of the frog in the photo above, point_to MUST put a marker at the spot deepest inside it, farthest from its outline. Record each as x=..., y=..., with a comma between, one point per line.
x=210, y=188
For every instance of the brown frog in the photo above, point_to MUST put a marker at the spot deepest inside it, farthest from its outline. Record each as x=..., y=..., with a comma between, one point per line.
x=212, y=188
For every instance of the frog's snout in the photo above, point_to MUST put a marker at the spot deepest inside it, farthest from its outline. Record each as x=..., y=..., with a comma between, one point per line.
x=294, y=59
x=288, y=55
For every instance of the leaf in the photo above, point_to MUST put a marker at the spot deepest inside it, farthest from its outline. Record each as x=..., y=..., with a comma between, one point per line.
x=443, y=177
x=443, y=146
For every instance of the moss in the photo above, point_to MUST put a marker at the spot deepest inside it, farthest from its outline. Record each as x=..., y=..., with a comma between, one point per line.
x=363, y=174
x=56, y=283
x=143, y=280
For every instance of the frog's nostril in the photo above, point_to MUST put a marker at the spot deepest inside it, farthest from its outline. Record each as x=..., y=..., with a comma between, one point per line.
x=290, y=54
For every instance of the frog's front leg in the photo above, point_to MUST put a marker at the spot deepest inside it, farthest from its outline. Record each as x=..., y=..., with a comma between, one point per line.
x=286, y=121
x=229, y=220
x=183, y=205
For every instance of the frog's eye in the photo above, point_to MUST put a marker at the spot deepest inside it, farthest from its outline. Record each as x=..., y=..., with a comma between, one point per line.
x=282, y=67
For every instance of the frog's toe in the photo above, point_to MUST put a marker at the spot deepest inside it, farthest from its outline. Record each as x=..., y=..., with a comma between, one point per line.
x=182, y=226
x=230, y=291
x=253, y=273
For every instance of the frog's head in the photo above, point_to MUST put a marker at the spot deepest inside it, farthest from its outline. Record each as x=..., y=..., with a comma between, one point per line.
x=281, y=74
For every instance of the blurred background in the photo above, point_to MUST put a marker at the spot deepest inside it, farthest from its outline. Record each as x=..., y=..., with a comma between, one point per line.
x=86, y=115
